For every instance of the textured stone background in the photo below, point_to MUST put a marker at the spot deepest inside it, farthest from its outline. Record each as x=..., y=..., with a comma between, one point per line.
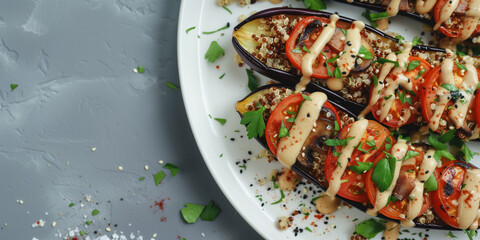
x=73, y=63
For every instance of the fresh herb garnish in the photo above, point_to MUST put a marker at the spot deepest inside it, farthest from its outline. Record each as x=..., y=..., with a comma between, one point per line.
x=221, y=120
x=447, y=136
x=71, y=205
x=141, y=178
x=344, y=31
x=315, y=4
x=470, y=233
x=404, y=99
x=450, y=234
x=364, y=53
x=88, y=222
x=189, y=29
x=158, y=177
x=329, y=73
x=228, y=10
x=306, y=97
x=13, y=86
x=420, y=73
x=338, y=142
x=95, y=212
x=417, y=41
x=214, y=52
x=220, y=29
x=383, y=173
x=308, y=229
x=283, y=132
x=223, y=75
x=210, y=212
x=399, y=37
x=333, y=59
x=305, y=49
x=171, y=85
x=282, y=196
x=412, y=65
x=375, y=81
x=384, y=60
x=255, y=123
x=370, y=228
x=430, y=184
x=461, y=66
x=252, y=80
x=467, y=153
x=140, y=69
x=361, y=167
x=410, y=154
x=337, y=72
x=296, y=50
x=191, y=212
x=173, y=169
x=336, y=127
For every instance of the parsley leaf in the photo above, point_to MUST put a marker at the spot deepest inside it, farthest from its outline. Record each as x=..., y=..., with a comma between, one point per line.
x=221, y=120
x=470, y=233
x=189, y=29
x=430, y=184
x=210, y=212
x=450, y=87
x=364, y=53
x=13, y=86
x=450, y=234
x=404, y=99
x=383, y=173
x=361, y=167
x=443, y=153
x=461, y=66
x=417, y=41
x=255, y=123
x=191, y=212
x=140, y=69
x=296, y=50
x=338, y=142
x=214, y=52
x=410, y=154
x=95, y=212
x=447, y=136
x=436, y=143
x=252, y=80
x=283, y=132
x=420, y=73
x=467, y=154
x=315, y=4
x=337, y=73
x=305, y=49
x=158, y=177
x=173, y=169
x=384, y=60
x=171, y=85
x=71, y=205
x=370, y=228
x=412, y=65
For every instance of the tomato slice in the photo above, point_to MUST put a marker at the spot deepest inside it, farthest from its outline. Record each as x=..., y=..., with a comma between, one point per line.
x=285, y=110
x=455, y=27
x=398, y=209
x=400, y=110
x=429, y=98
x=444, y=199
x=353, y=186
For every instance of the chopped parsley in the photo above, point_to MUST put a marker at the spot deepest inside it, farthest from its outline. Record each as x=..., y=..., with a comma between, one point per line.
x=95, y=212
x=158, y=177
x=228, y=10
x=255, y=123
x=417, y=41
x=140, y=69
x=141, y=179
x=370, y=228
x=338, y=142
x=173, y=169
x=420, y=73
x=191, y=212
x=283, y=132
x=282, y=196
x=344, y=31
x=470, y=233
x=214, y=52
x=252, y=80
x=450, y=234
x=361, y=167
x=337, y=73
x=404, y=99
x=220, y=29
x=305, y=49
x=189, y=29
x=71, y=205
x=364, y=53
x=171, y=85
x=410, y=154
x=413, y=64
x=461, y=66
x=308, y=229
x=223, y=75
x=13, y=86
x=375, y=81
x=296, y=50
x=221, y=120
x=372, y=17
x=430, y=184
x=384, y=60
x=211, y=211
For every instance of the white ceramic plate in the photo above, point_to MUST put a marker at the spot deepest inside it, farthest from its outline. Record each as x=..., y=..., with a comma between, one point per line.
x=224, y=147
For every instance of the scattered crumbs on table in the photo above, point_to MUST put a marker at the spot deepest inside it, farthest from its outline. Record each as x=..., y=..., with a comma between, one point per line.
x=120, y=168
x=94, y=149
x=146, y=167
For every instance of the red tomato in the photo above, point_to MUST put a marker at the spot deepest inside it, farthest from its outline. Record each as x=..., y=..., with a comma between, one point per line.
x=455, y=30
x=398, y=109
x=394, y=209
x=429, y=96
x=444, y=199
x=286, y=109
x=353, y=187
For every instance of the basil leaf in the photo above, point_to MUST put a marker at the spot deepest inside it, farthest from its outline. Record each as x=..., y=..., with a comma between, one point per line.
x=431, y=184
x=383, y=173
x=365, y=54
x=412, y=65
x=370, y=228
x=450, y=87
x=361, y=167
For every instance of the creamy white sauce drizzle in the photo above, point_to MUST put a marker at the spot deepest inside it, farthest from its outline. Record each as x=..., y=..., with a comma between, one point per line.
x=315, y=50
x=398, y=79
x=357, y=130
x=353, y=42
x=473, y=8
x=446, y=12
x=393, y=7
x=392, y=230
x=290, y=146
x=427, y=167
x=469, y=199
x=424, y=6
x=469, y=25
x=446, y=77
x=470, y=82
x=398, y=151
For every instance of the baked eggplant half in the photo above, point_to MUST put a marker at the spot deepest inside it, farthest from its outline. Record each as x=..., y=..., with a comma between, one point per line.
x=358, y=67
x=360, y=162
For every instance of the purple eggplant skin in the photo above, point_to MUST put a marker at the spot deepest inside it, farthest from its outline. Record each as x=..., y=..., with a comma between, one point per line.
x=290, y=79
x=380, y=8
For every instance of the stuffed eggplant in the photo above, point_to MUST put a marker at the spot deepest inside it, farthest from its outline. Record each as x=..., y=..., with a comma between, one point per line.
x=360, y=67
x=360, y=162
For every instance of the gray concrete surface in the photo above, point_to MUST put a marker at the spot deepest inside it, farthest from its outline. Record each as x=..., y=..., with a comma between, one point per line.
x=73, y=61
